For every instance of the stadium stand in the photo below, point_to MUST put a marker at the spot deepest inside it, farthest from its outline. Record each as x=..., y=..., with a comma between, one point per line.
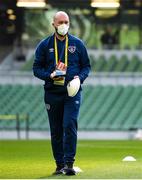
x=104, y=64
x=115, y=64
x=81, y=26
x=28, y=65
x=103, y=107
x=4, y=50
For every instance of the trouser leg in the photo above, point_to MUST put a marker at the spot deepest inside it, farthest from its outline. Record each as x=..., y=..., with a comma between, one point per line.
x=54, y=105
x=71, y=112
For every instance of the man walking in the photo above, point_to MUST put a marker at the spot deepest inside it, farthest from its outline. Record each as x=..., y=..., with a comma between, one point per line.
x=59, y=59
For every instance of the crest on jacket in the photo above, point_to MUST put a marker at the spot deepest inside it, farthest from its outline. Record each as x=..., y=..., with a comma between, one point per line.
x=72, y=49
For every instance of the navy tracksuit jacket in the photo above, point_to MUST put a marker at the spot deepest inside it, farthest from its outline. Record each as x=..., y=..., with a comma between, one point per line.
x=62, y=110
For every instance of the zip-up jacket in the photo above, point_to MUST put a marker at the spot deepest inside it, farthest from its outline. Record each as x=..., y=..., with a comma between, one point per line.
x=45, y=63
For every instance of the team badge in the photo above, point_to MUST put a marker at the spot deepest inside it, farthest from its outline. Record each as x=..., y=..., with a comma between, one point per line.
x=72, y=49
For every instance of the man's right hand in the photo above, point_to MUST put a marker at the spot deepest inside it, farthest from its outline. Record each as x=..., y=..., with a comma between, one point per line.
x=61, y=66
x=52, y=76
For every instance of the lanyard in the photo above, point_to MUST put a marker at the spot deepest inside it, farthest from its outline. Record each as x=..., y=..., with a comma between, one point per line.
x=66, y=50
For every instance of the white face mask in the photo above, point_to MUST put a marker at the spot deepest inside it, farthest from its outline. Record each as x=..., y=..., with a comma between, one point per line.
x=63, y=29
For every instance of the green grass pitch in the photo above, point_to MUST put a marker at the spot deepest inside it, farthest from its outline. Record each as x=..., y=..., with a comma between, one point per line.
x=97, y=159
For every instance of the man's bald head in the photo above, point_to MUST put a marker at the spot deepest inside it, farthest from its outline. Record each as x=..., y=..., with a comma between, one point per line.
x=59, y=18
x=59, y=15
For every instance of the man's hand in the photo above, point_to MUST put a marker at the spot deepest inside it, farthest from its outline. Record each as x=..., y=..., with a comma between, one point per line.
x=76, y=77
x=61, y=66
x=52, y=76
x=55, y=75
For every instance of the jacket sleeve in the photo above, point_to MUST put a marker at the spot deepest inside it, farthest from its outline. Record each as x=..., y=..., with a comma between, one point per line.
x=39, y=65
x=84, y=63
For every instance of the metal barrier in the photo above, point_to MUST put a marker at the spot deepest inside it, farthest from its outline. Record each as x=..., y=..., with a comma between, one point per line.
x=18, y=118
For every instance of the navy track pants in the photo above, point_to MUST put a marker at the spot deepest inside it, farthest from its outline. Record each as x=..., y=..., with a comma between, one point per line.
x=63, y=113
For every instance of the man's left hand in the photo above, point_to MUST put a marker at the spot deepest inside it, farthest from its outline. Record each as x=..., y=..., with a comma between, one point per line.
x=76, y=77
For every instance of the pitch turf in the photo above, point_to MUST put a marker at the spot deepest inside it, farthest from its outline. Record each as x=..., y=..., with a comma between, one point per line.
x=97, y=159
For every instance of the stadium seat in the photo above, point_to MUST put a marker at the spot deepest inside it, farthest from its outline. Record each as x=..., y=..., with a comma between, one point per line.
x=111, y=63
x=122, y=64
x=133, y=64
x=100, y=63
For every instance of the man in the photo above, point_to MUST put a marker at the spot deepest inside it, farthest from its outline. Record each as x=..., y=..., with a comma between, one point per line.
x=64, y=54
x=108, y=39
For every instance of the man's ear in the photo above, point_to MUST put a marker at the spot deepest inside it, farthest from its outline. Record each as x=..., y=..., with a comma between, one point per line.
x=53, y=25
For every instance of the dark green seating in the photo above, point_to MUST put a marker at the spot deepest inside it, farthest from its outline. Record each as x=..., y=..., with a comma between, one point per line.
x=100, y=64
x=115, y=64
x=133, y=64
x=110, y=65
x=103, y=107
x=121, y=64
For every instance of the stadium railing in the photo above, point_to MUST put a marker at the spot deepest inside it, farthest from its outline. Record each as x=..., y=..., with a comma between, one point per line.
x=18, y=118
